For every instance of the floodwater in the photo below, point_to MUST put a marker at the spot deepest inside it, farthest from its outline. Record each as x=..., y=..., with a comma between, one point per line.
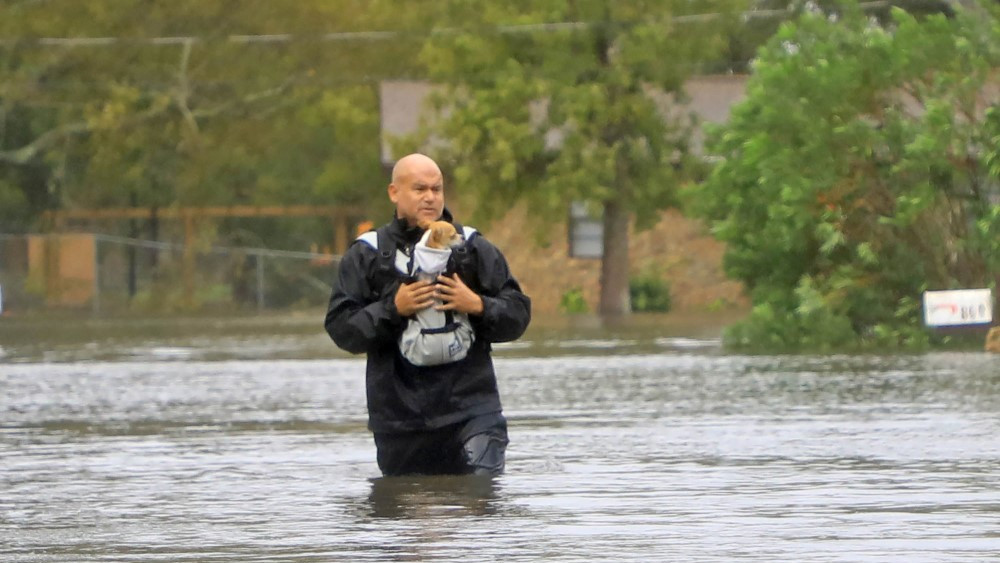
x=222, y=441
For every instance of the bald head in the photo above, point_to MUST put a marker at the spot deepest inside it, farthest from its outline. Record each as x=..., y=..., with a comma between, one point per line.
x=417, y=189
x=411, y=164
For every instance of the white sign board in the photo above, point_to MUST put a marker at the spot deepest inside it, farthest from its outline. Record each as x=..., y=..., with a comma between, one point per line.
x=958, y=307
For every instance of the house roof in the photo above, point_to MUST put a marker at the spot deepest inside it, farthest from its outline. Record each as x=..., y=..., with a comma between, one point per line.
x=402, y=104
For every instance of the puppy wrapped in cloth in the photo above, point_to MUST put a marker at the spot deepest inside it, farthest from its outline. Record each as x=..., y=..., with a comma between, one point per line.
x=435, y=337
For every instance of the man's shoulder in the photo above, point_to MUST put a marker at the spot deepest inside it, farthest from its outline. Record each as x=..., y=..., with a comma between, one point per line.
x=479, y=241
x=370, y=238
x=363, y=249
x=469, y=232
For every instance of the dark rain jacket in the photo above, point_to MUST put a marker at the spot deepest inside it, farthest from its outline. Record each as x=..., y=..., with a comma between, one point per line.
x=401, y=396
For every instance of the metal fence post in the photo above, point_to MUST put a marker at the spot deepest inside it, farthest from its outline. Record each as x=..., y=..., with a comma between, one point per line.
x=260, y=281
x=97, y=277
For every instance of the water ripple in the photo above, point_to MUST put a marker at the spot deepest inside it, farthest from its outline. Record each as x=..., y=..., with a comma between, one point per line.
x=677, y=452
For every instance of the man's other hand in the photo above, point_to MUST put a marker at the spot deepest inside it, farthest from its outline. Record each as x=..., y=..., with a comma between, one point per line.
x=414, y=297
x=456, y=296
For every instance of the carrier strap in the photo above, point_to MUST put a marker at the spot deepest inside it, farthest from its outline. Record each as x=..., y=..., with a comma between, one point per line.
x=380, y=240
x=371, y=238
x=450, y=327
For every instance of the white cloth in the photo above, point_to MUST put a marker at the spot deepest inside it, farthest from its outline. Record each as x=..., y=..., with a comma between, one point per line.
x=433, y=348
x=427, y=260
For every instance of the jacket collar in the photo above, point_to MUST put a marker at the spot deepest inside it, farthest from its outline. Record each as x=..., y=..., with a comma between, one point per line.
x=406, y=235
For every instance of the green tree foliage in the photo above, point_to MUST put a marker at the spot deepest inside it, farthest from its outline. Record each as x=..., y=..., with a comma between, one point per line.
x=208, y=121
x=860, y=171
x=550, y=102
x=763, y=17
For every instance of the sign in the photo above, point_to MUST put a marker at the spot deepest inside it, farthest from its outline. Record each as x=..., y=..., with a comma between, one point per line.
x=958, y=307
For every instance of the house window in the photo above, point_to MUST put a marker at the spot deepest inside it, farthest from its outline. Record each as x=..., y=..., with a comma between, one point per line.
x=586, y=231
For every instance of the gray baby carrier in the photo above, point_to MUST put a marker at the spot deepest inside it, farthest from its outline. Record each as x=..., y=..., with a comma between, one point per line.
x=430, y=337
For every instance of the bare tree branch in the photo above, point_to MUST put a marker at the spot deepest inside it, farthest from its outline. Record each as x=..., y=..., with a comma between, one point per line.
x=184, y=90
x=29, y=152
x=24, y=155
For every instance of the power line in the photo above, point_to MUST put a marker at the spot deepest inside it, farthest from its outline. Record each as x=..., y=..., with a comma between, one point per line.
x=372, y=35
x=162, y=245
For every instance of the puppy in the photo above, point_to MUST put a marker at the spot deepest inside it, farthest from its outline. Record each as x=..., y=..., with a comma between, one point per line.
x=442, y=234
x=433, y=336
x=430, y=255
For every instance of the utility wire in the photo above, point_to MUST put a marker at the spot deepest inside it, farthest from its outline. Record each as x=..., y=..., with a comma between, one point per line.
x=72, y=42
x=161, y=245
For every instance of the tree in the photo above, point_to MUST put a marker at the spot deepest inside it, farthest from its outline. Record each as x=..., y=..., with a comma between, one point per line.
x=763, y=18
x=196, y=119
x=551, y=102
x=859, y=171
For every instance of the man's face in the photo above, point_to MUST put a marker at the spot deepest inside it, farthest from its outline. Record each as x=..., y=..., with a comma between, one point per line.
x=418, y=195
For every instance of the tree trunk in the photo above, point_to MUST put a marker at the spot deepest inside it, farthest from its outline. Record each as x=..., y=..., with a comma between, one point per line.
x=615, y=263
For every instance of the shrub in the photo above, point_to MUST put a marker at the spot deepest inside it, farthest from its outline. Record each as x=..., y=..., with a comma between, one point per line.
x=572, y=302
x=649, y=294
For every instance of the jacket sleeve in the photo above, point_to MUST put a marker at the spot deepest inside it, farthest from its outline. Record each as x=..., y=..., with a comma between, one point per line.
x=357, y=319
x=506, y=309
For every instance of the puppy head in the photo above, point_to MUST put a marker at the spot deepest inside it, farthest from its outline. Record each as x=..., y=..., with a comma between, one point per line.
x=443, y=234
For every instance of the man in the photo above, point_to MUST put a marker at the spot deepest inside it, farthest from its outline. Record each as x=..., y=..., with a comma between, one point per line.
x=437, y=419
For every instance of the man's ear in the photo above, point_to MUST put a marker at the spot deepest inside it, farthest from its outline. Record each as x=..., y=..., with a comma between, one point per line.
x=393, y=193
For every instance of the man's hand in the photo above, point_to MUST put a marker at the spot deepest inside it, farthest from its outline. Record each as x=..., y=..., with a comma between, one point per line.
x=456, y=296
x=414, y=297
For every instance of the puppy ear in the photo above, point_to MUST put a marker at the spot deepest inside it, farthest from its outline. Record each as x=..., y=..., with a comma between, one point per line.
x=424, y=224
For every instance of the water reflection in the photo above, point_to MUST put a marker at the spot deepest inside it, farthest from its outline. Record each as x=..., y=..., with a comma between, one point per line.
x=31, y=339
x=423, y=497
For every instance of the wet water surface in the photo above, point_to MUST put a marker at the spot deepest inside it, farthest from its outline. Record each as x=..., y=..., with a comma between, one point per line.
x=644, y=445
